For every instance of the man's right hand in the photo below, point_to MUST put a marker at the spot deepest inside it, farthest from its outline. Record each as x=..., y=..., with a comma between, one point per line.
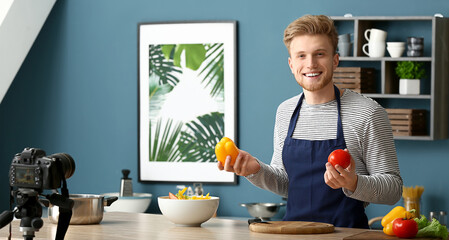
x=244, y=165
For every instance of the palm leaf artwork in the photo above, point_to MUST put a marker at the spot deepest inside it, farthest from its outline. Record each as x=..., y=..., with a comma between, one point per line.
x=213, y=71
x=163, y=67
x=193, y=141
x=198, y=144
x=163, y=146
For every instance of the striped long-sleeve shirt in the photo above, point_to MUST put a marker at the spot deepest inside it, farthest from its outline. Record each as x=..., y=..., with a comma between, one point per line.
x=369, y=139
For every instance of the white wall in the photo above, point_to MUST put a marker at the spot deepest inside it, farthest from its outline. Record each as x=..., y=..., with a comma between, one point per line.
x=20, y=23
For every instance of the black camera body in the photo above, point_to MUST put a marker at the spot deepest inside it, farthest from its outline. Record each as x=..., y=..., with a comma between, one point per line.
x=33, y=169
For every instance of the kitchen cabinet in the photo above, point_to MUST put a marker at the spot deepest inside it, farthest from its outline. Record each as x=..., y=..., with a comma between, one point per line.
x=434, y=88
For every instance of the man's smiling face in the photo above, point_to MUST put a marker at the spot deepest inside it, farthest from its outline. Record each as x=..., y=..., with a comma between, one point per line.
x=312, y=61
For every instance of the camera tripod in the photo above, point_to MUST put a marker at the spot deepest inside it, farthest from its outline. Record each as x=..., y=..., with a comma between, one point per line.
x=29, y=211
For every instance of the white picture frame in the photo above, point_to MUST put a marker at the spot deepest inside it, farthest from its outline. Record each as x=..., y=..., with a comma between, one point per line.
x=187, y=99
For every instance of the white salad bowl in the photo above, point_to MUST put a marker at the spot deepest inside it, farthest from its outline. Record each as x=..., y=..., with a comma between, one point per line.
x=188, y=212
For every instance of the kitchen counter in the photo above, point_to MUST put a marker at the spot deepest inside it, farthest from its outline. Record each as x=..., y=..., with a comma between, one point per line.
x=117, y=225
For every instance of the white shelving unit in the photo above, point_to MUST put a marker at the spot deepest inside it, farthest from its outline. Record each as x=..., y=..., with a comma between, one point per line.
x=434, y=89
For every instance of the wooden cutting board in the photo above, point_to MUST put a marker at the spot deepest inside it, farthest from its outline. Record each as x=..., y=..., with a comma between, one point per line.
x=377, y=235
x=291, y=227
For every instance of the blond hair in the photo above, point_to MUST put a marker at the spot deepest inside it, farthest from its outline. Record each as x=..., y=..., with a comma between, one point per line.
x=311, y=24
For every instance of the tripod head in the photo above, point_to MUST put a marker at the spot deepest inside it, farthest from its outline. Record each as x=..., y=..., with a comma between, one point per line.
x=28, y=209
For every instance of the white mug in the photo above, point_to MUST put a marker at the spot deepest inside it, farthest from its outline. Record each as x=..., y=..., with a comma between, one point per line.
x=375, y=35
x=375, y=49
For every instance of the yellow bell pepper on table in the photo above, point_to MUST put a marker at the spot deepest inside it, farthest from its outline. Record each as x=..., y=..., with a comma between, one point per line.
x=389, y=229
x=397, y=212
x=224, y=148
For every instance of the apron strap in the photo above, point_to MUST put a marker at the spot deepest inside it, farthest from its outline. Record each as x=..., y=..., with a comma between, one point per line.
x=339, y=122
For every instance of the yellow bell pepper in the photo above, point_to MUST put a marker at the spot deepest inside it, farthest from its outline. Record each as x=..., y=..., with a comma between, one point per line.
x=224, y=148
x=389, y=229
x=397, y=212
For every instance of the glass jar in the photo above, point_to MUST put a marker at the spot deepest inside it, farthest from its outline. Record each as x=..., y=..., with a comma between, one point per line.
x=412, y=203
x=443, y=218
x=440, y=216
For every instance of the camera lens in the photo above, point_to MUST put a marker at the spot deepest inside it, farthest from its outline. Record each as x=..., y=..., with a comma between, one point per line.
x=68, y=164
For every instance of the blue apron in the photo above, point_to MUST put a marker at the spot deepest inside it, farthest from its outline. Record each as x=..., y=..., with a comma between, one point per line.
x=309, y=197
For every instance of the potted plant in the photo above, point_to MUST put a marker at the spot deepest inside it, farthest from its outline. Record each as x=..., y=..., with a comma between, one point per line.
x=410, y=73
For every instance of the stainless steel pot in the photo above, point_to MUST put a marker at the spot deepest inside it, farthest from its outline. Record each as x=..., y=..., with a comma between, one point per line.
x=87, y=208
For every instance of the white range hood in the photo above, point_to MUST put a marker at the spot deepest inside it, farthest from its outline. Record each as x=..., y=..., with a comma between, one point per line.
x=20, y=23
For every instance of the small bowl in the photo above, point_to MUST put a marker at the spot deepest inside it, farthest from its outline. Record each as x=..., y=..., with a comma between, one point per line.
x=138, y=203
x=396, y=44
x=190, y=213
x=263, y=211
x=395, y=52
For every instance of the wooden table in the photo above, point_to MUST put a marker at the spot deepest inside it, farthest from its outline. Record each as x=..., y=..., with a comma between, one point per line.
x=116, y=225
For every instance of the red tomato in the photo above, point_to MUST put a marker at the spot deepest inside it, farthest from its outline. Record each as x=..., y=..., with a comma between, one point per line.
x=340, y=157
x=405, y=228
x=172, y=196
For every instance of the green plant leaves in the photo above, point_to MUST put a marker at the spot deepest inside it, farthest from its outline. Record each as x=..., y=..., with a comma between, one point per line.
x=162, y=144
x=194, y=54
x=198, y=143
x=410, y=70
x=157, y=95
x=213, y=72
x=209, y=58
x=162, y=67
x=167, y=50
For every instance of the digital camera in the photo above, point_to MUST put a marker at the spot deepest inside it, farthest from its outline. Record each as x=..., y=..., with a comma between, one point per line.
x=33, y=169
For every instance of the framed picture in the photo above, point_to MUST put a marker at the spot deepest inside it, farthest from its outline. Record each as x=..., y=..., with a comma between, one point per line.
x=187, y=99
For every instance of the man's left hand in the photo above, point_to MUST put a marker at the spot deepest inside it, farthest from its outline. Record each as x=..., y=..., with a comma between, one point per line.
x=338, y=177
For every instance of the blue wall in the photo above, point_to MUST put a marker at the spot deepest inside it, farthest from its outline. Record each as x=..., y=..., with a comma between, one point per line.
x=76, y=92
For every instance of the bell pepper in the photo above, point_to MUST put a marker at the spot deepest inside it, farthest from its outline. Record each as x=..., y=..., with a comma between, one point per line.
x=389, y=229
x=172, y=196
x=224, y=148
x=397, y=212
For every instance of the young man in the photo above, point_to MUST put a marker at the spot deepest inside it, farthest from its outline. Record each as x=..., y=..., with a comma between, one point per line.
x=311, y=125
